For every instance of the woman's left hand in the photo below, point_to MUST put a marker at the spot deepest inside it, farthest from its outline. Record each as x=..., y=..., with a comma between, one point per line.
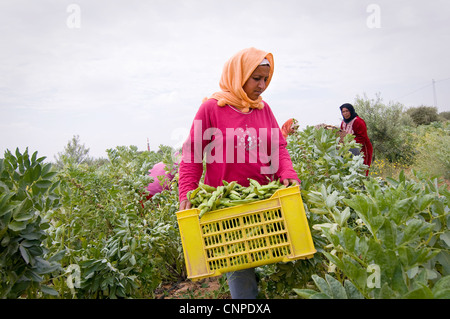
x=290, y=181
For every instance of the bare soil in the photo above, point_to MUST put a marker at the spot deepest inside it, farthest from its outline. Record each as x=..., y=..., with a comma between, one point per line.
x=208, y=288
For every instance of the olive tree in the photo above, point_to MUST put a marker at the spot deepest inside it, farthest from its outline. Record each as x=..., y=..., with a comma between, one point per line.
x=387, y=126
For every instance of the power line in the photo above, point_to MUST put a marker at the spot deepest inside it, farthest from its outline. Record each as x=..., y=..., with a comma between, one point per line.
x=413, y=91
x=443, y=80
x=424, y=87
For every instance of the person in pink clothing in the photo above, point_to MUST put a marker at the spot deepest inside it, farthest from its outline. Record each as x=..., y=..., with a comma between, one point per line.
x=158, y=171
x=161, y=177
x=237, y=135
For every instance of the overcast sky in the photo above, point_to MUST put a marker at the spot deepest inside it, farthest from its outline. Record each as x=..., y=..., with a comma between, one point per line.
x=119, y=72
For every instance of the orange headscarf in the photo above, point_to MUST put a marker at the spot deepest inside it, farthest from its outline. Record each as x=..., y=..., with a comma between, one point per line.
x=289, y=127
x=236, y=72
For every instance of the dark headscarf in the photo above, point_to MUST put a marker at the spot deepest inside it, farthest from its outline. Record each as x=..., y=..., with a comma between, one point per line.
x=349, y=107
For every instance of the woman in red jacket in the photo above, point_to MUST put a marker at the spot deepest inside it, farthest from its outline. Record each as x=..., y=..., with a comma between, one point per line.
x=353, y=124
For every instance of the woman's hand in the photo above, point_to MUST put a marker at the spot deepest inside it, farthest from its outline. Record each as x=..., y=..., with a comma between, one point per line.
x=290, y=181
x=185, y=204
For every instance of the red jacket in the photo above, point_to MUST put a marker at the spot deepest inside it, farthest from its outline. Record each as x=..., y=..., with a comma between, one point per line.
x=358, y=128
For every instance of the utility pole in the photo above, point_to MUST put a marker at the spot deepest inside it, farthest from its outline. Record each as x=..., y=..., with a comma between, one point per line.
x=148, y=145
x=434, y=93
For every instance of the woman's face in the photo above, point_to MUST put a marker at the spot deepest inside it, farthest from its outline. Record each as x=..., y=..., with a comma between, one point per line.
x=256, y=84
x=346, y=113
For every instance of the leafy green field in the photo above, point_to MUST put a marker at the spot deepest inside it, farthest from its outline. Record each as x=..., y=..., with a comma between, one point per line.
x=85, y=230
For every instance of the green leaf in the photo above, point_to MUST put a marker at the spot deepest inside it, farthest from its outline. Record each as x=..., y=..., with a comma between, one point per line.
x=419, y=293
x=337, y=290
x=17, y=226
x=4, y=206
x=345, y=215
x=368, y=211
x=49, y=176
x=438, y=207
x=49, y=291
x=386, y=292
x=441, y=285
x=46, y=169
x=352, y=291
x=425, y=201
x=442, y=294
x=32, y=236
x=320, y=295
x=41, y=159
x=43, y=184
x=58, y=256
x=35, y=251
x=398, y=212
x=18, y=155
x=334, y=259
x=446, y=238
x=402, y=177
x=398, y=282
x=30, y=243
x=388, y=233
x=332, y=199
x=392, y=181
x=25, y=255
x=23, y=216
x=348, y=240
x=4, y=186
x=45, y=267
x=322, y=285
x=36, y=173
x=22, y=211
x=33, y=157
x=305, y=293
x=319, y=211
x=412, y=230
x=133, y=260
x=33, y=276
x=355, y=271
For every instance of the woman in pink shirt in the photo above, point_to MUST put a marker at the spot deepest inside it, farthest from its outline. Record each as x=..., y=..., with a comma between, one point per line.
x=237, y=135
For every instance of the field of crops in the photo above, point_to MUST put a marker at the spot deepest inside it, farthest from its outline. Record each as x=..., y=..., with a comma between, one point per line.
x=87, y=230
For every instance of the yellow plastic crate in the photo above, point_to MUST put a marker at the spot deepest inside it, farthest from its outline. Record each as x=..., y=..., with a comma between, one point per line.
x=246, y=236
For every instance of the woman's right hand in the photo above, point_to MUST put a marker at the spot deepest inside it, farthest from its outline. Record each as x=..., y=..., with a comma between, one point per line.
x=185, y=204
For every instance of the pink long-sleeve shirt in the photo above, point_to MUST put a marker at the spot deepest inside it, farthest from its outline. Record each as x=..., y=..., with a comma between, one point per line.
x=158, y=170
x=236, y=146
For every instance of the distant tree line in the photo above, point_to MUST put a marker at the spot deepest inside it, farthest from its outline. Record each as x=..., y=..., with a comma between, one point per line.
x=424, y=115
